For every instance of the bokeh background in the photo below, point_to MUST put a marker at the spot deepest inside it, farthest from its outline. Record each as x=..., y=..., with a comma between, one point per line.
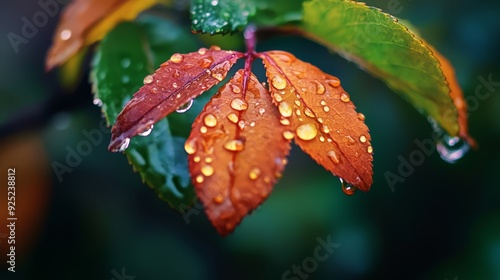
x=101, y=222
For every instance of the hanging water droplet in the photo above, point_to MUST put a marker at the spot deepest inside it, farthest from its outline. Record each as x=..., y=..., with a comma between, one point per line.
x=345, y=97
x=124, y=145
x=190, y=147
x=451, y=149
x=254, y=173
x=148, y=79
x=347, y=188
x=97, y=102
x=369, y=149
x=184, y=108
x=210, y=120
x=234, y=145
x=361, y=116
x=176, y=58
x=285, y=109
x=202, y=51
x=147, y=131
x=320, y=88
x=278, y=82
x=306, y=131
x=335, y=82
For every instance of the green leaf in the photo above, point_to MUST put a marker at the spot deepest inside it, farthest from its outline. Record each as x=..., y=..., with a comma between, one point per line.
x=220, y=16
x=382, y=46
x=125, y=56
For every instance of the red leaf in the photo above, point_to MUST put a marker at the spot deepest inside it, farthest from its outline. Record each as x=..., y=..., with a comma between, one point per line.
x=320, y=117
x=175, y=83
x=236, y=152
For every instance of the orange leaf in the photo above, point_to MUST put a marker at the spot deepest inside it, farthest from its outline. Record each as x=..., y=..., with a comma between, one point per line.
x=84, y=22
x=321, y=118
x=236, y=152
x=174, y=84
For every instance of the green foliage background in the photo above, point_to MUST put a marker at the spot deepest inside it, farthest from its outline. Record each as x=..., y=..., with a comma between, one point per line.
x=442, y=222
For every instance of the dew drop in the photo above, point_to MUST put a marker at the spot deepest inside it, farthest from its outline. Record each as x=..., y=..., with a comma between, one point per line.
x=189, y=147
x=234, y=145
x=252, y=124
x=219, y=199
x=278, y=82
x=148, y=79
x=176, y=58
x=215, y=48
x=239, y=104
x=65, y=34
x=236, y=89
x=361, y=116
x=320, y=88
x=326, y=109
x=202, y=51
x=369, y=149
x=210, y=120
x=322, y=139
x=203, y=129
x=308, y=112
x=297, y=102
x=362, y=139
x=297, y=112
x=262, y=111
x=206, y=62
x=320, y=120
x=196, y=159
x=347, y=188
x=233, y=118
x=218, y=76
x=285, y=121
x=285, y=109
x=124, y=145
x=207, y=170
x=277, y=97
x=451, y=149
x=184, y=108
x=199, y=179
x=147, y=131
x=350, y=140
x=254, y=173
x=176, y=74
x=325, y=129
x=322, y=102
x=306, y=131
x=97, y=102
x=241, y=124
x=174, y=85
x=334, y=83
x=345, y=97
x=334, y=157
x=288, y=135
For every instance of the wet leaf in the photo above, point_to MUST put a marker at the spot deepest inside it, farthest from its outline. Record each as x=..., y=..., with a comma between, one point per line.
x=319, y=115
x=175, y=83
x=387, y=49
x=119, y=68
x=220, y=16
x=236, y=152
x=84, y=22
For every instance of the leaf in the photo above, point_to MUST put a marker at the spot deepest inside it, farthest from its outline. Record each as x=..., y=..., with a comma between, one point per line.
x=236, y=152
x=175, y=83
x=119, y=67
x=320, y=117
x=84, y=22
x=380, y=44
x=220, y=16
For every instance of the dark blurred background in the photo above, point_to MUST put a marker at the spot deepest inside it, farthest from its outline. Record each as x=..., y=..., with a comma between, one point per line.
x=442, y=221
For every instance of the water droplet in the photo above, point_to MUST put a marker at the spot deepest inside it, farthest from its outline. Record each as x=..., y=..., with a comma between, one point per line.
x=207, y=170
x=326, y=109
x=218, y=76
x=322, y=139
x=124, y=145
x=451, y=149
x=306, y=131
x=254, y=173
x=236, y=89
x=308, y=112
x=206, y=62
x=215, y=48
x=202, y=51
x=174, y=85
x=210, y=120
x=322, y=102
x=219, y=199
x=347, y=188
x=350, y=140
x=262, y=111
x=278, y=82
x=239, y=104
x=297, y=102
x=369, y=149
x=325, y=129
x=203, y=129
x=196, y=159
x=176, y=74
x=362, y=139
x=184, y=108
x=65, y=34
x=333, y=156
x=297, y=112
x=335, y=82
x=252, y=124
x=148, y=79
x=345, y=97
x=190, y=147
x=361, y=117
x=277, y=97
x=320, y=120
x=241, y=124
x=285, y=109
x=234, y=145
x=320, y=88
x=97, y=102
x=126, y=63
x=199, y=179
x=147, y=131
x=285, y=121
x=287, y=134
x=176, y=58
x=233, y=118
